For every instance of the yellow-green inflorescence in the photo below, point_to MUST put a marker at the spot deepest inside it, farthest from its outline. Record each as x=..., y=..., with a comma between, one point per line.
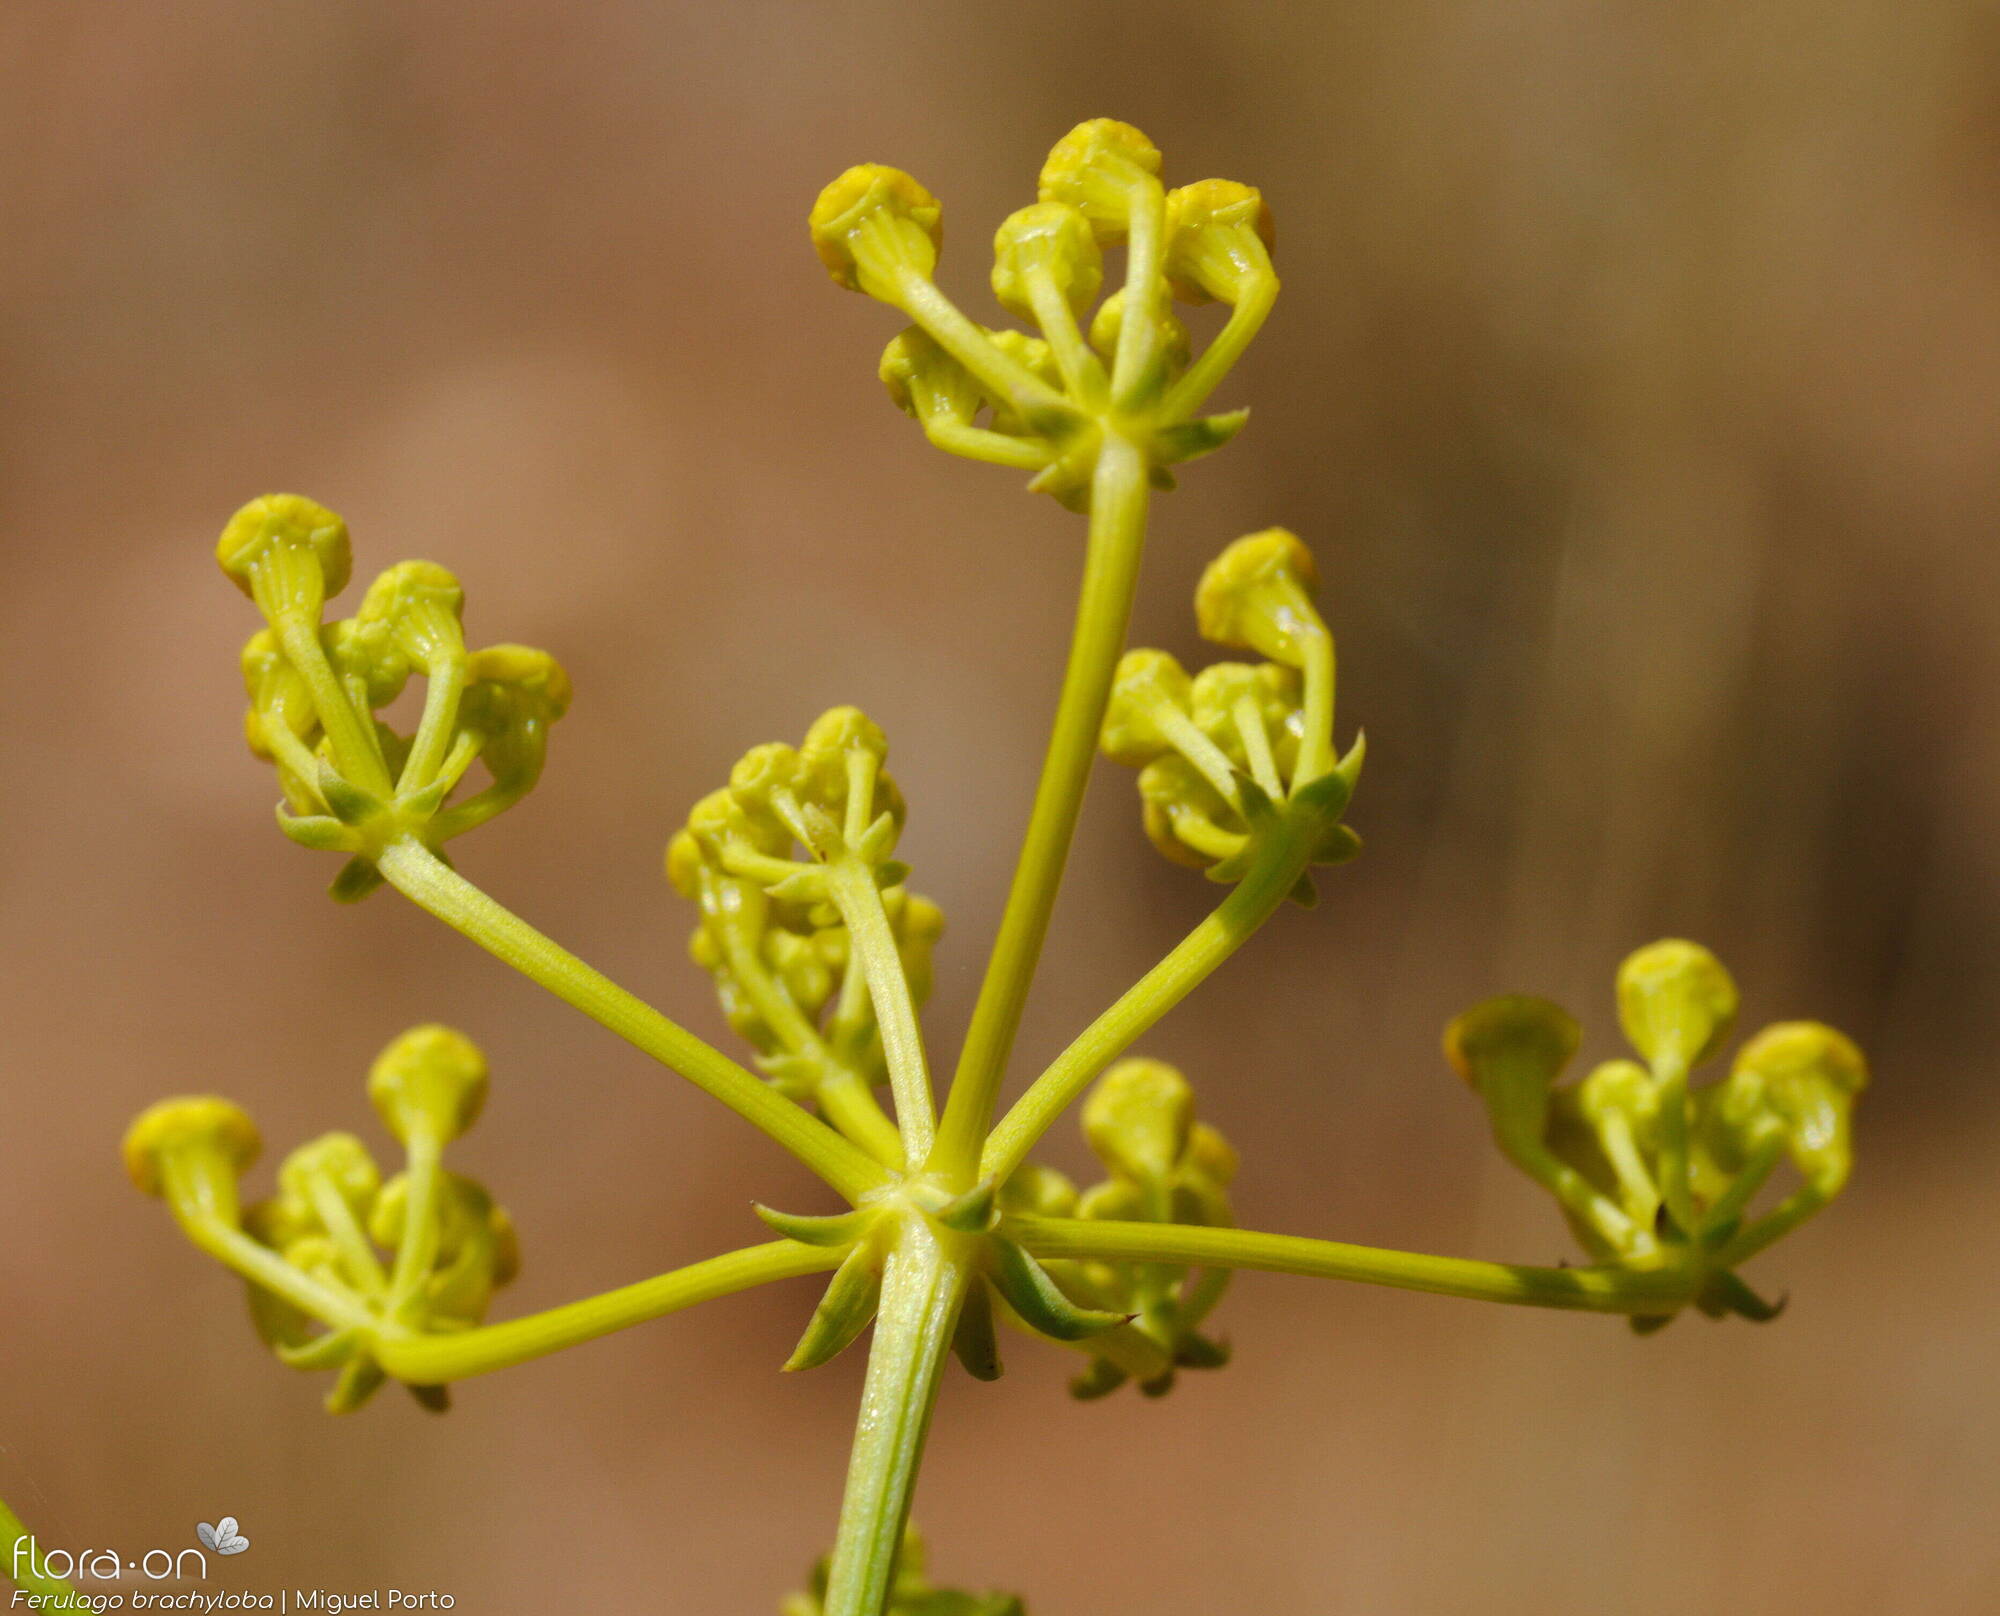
x=1239, y=759
x=351, y=782
x=1161, y=1166
x=343, y=1266
x=1044, y=402
x=796, y=945
x=822, y=954
x=1652, y=1174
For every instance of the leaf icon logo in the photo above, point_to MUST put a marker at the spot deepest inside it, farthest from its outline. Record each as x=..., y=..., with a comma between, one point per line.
x=222, y=1537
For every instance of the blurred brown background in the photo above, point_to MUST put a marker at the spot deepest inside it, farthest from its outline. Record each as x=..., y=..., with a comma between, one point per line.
x=1636, y=381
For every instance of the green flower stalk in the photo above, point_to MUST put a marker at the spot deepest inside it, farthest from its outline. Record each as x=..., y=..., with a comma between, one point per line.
x=821, y=953
x=911, y=1592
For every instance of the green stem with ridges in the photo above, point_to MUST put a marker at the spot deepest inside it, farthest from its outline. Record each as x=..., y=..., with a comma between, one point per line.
x=1789, y=1213
x=1577, y=1194
x=428, y=882
x=1026, y=393
x=433, y=1360
x=444, y=685
x=847, y=1100
x=1640, y=1195
x=923, y=1287
x=1246, y=318
x=416, y=1251
x=844, y=1097
x=1256, y=739
x=1750, y=1178
x=1316, y=748
x=1589, y=1290
x=1082, y=371
x=851, y=885
x=1118, y=502
x=1671, y=1073
x=1136, y=364
x=357, y=1252
x=262, y=1266
x=352, y=739
x=1227, y=928
x=1202, y=754
x=994, y=448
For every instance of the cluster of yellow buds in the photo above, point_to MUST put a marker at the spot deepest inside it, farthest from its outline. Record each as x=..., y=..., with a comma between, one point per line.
x=340, y=1259
x=773, y=932
x=1240, y=757
x=351, y=782
x=1041, y=402
x=1162, y=1166
x=911, y=1592
x=1652, y=1173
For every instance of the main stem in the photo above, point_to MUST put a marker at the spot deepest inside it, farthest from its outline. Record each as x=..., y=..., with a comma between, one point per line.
x=923, y=1287
x=431, y=884
x=1118, y=499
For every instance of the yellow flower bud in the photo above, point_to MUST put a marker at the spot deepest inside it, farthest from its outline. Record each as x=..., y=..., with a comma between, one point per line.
x=260, y=659
x=759, y=772
x=192, y=1150
x=431, y=1080
x=533, y=677
x=317, y=1256
x=285, y=552
x=721, y=818
x=513, y=694
x=925, y=382
x=1211, y=1156
x=1050, y=239
x=280, y=1221
x=1137, y=1119
x=684, y=862
x=478, y=1249
x=278, y=695
x=1257, y=595
x=338, y=1159
x=420, y=603
x=1039, y=1190
x=919, y=925
x=1147, y=684
x=1116, y=1200
x=1806, y=1055
x=1675, y=1002
x=1218, y=240
x=872, y=222
x=834, y=734
x=367, y=650
x=1094, y=168
x=1033, y=355
x=1621, y=1088
x=1271, y=688
x=1176, y=346
x=1802, y=1077
x=801, y=965
x=1511, y=1050
x=1170, y=788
